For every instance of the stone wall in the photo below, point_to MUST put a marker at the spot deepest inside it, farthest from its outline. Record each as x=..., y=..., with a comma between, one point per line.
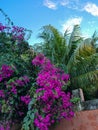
x=82, y=104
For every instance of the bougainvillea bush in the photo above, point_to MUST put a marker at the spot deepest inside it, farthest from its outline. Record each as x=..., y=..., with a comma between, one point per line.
x=16, y=77
x=50, y=103
x=39, y=106
x=14, y=96
x=15, y=49
x=32, y=92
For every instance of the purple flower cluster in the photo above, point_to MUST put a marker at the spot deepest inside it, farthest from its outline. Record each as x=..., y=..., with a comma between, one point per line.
x=18, y=33
x=13, y=94
x=17, y=84
x=6, y=72
x=3, y=128
x=2, y=27
x=5, y=125
x=54, y=102
x=26, y=99
x=2, y=95
x=42, y=122
x=39, y=60
x=14, y=90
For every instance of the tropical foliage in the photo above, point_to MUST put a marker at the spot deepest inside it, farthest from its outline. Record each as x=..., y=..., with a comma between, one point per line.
x=32, y=86
x=76, y=55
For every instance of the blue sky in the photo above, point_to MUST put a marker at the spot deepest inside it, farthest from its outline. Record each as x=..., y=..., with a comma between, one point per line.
x=62, y=14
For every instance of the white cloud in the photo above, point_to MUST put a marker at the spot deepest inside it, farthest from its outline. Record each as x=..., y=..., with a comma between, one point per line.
x=68, y=25
x=53, y=4
x=50, y=4
x=72, y=4
x=64, y=2
x=91, y=8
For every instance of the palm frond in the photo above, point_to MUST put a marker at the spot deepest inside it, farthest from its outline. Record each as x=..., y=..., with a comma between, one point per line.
x=83, y=51
x=54, y=45
x=74, y=40
x=86, y=79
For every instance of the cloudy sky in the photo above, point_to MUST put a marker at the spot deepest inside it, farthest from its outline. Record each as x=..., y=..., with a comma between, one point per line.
x=62, y=14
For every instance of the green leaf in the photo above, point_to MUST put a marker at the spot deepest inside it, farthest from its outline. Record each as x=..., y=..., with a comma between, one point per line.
x=32, y=115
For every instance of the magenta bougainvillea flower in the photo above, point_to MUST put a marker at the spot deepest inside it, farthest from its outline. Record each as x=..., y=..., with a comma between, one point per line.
x=18, y=33
x=2, y=27
x=26, y=99
x=14, y=97
x=54, y=102
x=6, y=72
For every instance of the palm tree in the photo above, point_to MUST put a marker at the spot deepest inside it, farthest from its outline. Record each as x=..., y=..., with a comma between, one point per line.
x=54, y=45
x=73, y=53
x=83, y=66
